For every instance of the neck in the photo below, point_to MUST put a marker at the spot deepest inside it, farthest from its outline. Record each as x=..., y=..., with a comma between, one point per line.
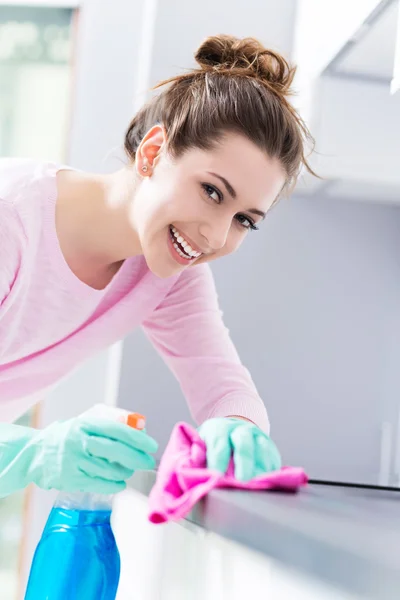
x=92, y=218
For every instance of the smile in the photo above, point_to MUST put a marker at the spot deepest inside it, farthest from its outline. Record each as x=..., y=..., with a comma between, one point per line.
x=182, y=246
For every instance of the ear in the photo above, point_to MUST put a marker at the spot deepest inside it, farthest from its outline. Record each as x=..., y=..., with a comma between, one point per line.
x=149, y=150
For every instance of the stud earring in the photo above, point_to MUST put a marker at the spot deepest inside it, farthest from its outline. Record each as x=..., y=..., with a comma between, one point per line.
x=144, y=168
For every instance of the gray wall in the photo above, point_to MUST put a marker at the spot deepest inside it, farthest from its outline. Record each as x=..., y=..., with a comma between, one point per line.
x=312, y=302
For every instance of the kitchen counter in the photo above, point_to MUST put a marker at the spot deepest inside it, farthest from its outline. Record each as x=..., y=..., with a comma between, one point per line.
x=345, y=537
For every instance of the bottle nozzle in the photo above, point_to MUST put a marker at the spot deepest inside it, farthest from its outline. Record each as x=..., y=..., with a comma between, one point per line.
x=135, y=420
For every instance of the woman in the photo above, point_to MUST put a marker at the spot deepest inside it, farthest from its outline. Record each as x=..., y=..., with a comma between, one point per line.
x=84, y=258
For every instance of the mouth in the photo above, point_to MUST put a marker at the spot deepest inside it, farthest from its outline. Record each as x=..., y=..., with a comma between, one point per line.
x=182, y=247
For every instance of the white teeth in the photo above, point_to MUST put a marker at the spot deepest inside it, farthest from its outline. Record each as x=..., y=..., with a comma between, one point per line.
x=179, y=251
x=187, y=247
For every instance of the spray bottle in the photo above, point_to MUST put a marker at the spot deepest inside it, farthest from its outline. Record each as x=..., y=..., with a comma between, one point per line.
x=77, y=557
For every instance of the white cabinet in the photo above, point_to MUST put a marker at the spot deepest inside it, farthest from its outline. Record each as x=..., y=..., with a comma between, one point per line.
x=180, y=561
x=347, y=73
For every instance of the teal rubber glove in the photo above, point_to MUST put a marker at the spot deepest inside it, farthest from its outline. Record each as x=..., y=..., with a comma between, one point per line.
x=254, y=453
x=82, y=454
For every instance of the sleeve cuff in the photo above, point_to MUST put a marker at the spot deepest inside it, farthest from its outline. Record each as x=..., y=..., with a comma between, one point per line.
x=243, y=407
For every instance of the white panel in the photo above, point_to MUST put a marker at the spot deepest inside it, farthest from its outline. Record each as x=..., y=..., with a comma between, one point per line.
x=164, y=562
x=373, y=55
x=252, y=575
x=357, y=130
x=321, y=30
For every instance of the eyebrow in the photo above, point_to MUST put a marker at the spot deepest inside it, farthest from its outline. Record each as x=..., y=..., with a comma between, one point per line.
x=233, y=193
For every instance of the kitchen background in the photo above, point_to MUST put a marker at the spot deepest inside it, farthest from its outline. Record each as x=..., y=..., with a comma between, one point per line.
x=312, y=302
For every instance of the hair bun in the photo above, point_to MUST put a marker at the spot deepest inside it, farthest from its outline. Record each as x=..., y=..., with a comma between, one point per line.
x=246, y=56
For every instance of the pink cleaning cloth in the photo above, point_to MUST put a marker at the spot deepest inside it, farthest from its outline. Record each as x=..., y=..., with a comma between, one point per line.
x=183, y=477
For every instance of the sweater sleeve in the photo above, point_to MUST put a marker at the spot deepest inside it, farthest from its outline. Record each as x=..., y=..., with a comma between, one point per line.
x=12, y=243
x=188, y=331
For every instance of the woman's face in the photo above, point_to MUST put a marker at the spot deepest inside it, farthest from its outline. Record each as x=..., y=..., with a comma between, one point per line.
x=202, y=205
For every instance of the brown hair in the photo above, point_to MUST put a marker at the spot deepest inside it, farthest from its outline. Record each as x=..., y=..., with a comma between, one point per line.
x=241, y=87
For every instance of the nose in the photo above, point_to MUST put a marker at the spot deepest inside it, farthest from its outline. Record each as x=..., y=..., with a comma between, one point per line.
x=215, y=235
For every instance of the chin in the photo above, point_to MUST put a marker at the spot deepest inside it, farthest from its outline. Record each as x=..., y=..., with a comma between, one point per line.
x=161, y=268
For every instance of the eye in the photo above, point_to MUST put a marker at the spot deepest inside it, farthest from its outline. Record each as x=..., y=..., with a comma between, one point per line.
x=212, y=192
x=246, y=222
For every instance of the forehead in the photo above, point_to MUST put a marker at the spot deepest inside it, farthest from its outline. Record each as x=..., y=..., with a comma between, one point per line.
x=252, y=173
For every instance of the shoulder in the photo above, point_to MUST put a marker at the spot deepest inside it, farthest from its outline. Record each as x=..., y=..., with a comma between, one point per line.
x=195, y=277
x=20, y=178
x=28, y=192
x=194, y=288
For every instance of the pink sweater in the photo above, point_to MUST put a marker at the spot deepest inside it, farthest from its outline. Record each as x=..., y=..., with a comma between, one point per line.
x=50, y=321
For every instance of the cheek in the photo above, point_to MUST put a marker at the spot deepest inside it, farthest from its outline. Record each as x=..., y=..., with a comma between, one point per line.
x=153, y=209
x=233, y=243
x=172, y=206
x=235, y=239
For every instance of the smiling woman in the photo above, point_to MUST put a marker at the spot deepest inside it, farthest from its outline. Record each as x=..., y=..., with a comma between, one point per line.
x=226, y=126
x=88, y=257
x=210, y=198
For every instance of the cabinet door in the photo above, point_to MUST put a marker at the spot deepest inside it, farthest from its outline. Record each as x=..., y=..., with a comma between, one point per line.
x=178, y=561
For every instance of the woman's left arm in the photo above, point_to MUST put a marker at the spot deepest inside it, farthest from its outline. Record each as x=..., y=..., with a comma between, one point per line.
x=188, y=331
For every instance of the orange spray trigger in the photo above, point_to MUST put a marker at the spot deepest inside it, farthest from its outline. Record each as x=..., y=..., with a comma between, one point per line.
x=136, y=421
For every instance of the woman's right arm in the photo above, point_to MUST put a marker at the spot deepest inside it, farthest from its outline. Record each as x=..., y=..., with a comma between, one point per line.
x=81, y=454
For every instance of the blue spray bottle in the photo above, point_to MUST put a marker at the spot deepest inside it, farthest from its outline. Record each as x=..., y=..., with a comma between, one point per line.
x=77, y=557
